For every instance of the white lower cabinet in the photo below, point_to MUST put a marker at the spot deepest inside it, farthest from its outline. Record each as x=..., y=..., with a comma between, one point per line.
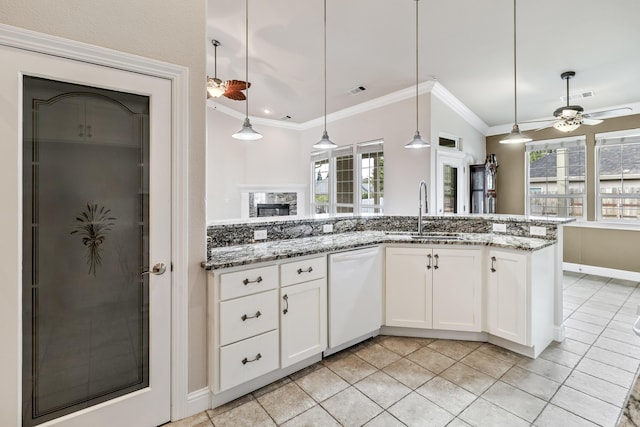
x=520, y=296
x=248, y=359
x=434, y=287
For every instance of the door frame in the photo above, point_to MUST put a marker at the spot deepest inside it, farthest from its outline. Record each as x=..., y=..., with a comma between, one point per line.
x=179, y=76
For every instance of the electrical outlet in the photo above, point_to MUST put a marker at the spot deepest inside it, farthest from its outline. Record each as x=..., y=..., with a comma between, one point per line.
x=537, y=231
x=500, y=228
x=259, y=234
x=327, y=228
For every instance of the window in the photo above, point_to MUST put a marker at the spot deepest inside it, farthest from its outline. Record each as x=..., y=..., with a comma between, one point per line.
x=338, y=176
x=618, y=176
x=556, y=178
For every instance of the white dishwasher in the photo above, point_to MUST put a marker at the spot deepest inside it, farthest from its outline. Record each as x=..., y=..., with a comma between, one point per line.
x=355, y=297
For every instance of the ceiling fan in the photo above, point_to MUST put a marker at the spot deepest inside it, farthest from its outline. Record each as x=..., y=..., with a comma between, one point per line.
x=231, y=89
x=569, y=117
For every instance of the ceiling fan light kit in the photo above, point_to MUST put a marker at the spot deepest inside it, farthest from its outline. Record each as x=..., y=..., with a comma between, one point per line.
x=515, y=136
x=215, y=86
x=325, y=143
x=247, y=133
x=417, y=141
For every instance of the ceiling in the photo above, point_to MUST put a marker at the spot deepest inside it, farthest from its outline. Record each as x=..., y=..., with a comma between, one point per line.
x=466, y=45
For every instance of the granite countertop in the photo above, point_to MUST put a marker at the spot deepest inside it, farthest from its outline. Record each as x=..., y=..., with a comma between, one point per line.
x=232, y=256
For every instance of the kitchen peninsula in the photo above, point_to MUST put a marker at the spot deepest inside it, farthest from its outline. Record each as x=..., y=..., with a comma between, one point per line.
x=273, y=285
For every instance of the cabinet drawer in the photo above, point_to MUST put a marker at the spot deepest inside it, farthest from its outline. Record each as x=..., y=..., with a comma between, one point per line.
x=303, y=271
x=248, y=359
x=245, y=317
x=246, y=282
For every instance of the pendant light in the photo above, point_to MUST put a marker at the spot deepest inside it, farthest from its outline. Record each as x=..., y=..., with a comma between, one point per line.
x=325, y=143
x=247, y=133
x=515, y=137
x=215, y=86
x=417, y=141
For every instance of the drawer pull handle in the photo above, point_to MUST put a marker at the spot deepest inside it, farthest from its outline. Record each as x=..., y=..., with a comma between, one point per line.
x=493, y=269
x=286, y=300
x=245, y=317
x=247, y=281
x=429, y=264
x=436, y=263
x=245, y=360
x=308, y=270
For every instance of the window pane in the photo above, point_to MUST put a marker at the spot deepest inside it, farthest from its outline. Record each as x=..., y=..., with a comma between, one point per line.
x=372, y=184
x=557, y=206
x=619, y=174
x=344, y=179
x=450, y=189
x=321, y=186
x=615, y=208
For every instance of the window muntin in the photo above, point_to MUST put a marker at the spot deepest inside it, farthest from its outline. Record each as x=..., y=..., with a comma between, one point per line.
x=618, y=176
x=556, y=178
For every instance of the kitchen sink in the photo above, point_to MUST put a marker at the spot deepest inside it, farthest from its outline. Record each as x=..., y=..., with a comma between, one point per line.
x=427, y=236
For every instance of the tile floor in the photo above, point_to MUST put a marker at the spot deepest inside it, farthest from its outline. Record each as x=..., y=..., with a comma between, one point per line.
x=393, y=381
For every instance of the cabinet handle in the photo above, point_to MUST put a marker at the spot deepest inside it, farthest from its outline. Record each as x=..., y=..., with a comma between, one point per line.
x=436, y=263
x=245, y=317
x=245, y=360
x=89, y=134
x=429, y=264
x=286, y=300
x=80, y=128
x=493, y=259
x=308, y=270
x=247, y=281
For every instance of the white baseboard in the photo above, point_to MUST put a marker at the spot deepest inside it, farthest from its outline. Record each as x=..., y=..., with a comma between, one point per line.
x=602, y=271
x=197, y=401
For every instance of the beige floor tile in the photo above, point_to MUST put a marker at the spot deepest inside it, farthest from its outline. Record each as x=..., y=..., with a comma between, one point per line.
x=251, y=414
x=415, y=410
x=400, y=345
x=351, y=408
x=271, y=387
x=492, y=366
x=581, y=325
x=500, y=353
x=560, y=356
x=315, y=416
x=322, y=383
x=446, y=394
x=351, y=368
x=553, y=416
x=410, y=374
x=382, y=389
x=571, y=346
x=578, y=335
x=514, y=400
x=606, y=372
x=431, y=360
x=594, y=410
x=385, y=419
x=612, y=358
x=468, y=378
x=378, y=355
x=457, y=422
x=227, y=406
x=532, y=383
x=285, y=402
x=590, y=318
x=618, y=346
x=546, y=368
x=306, y=371
x=484, y=413
x=200, y=419
x=595, y=387
x=452, y=349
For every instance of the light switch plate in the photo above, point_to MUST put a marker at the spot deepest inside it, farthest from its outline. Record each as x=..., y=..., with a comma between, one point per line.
x=327, y=228
x=537, y=231
x=259, y=234
x=500, y=228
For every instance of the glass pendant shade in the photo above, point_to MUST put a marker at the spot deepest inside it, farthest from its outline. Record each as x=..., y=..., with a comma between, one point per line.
x=417, y=142
x=215, y=87
x=515, y=136
x=246, y=133
x=325, y=143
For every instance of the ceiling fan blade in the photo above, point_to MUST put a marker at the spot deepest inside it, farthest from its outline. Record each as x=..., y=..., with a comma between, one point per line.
x=235, y=85
x=548, y=125
x=537, y=121
x=591, y=122
x=236, y=95
x=606, y=113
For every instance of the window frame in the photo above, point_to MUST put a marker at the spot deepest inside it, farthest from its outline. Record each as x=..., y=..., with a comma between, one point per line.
x=554, y=144
x=613, y=139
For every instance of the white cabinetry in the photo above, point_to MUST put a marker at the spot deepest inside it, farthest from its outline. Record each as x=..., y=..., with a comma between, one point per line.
x=434, y=287
x=520, y=295
x=303, y=309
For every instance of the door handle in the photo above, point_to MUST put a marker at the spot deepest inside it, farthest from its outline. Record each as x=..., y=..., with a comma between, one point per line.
x=429, y=262
x=493, y=260
x=436, y=261
x=157, y=269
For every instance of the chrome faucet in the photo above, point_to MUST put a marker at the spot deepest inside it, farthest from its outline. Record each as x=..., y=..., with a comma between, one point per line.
x=426, y=204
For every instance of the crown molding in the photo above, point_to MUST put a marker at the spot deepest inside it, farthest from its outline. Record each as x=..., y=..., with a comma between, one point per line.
x=459, y=108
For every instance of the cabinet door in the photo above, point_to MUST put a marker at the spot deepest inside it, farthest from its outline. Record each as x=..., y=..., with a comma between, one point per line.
x=408, y=287
x=457, y=298
x=507, y=296
x=303, y=321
